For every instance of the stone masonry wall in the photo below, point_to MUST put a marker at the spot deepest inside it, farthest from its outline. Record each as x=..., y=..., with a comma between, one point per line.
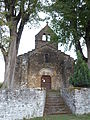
x=77, y=99
x=37, y=63
x=17, y=104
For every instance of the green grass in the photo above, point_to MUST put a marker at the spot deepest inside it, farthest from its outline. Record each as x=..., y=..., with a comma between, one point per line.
x=63, y=117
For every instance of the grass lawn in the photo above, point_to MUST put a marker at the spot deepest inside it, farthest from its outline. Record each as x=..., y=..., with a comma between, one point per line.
x=63, y=117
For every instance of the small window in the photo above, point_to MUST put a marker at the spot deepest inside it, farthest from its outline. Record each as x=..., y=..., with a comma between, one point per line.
x=46, y=58
x=44, y=37
x=48, y=37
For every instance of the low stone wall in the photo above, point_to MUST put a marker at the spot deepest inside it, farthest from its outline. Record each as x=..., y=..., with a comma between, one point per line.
x=17, y=104
x=77, y=99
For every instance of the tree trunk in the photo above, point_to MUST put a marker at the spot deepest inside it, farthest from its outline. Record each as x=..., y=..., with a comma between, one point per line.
x=11, y=62
x=88, y=52
x=10, y=66
x=87, y=39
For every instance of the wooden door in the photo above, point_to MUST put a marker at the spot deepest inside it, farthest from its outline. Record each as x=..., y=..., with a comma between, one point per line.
x=46, y=82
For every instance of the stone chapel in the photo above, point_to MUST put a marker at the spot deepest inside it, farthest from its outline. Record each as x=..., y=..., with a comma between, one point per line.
x=41, y=83
x=45, y=66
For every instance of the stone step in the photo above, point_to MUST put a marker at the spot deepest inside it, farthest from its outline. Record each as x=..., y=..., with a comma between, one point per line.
x=50, y=95
x=53, y=96
x=55, y=107
x=54, y=110
x=57, y=112
x=54, y=100
x=55, y=104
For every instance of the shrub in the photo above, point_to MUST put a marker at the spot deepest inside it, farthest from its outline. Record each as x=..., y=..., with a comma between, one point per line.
x=81, y=75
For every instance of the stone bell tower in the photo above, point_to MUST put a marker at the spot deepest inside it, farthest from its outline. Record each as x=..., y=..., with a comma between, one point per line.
x=46, y=37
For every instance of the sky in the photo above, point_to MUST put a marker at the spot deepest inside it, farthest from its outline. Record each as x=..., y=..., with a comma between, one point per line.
x=27, y=43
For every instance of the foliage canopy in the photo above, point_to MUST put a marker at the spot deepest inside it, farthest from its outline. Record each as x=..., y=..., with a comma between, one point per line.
x=71, y=21
x=81, y=75
x=14, y=14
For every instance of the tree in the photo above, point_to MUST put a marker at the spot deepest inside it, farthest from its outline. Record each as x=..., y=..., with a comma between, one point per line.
x=14, y=14
x=71, y=21
x=81, y=75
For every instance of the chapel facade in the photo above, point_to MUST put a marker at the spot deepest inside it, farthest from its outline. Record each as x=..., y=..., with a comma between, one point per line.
x=45, y=66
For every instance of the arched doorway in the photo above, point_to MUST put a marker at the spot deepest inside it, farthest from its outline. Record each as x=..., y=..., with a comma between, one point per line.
x=46, y=82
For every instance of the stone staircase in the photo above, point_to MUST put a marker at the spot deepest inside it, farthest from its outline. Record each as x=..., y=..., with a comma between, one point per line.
x=55, y=104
